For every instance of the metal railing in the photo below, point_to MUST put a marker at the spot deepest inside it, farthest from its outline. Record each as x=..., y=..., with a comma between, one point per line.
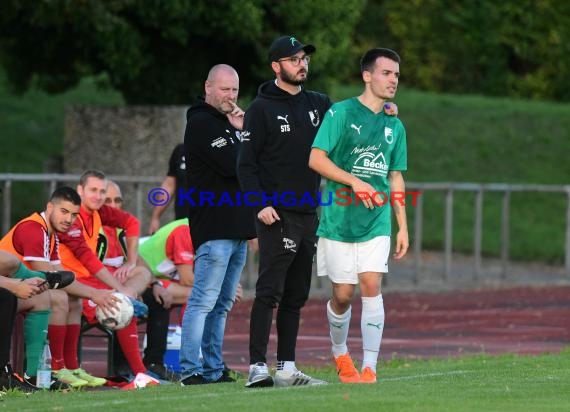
x=53, y=179
x=479, y=189
x=448, y=189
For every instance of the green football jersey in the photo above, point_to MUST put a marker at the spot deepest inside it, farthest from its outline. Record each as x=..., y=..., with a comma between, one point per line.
x=369, y=146
x=153, y=250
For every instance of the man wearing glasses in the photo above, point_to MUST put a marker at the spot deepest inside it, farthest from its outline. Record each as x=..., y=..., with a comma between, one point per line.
x=279, y=129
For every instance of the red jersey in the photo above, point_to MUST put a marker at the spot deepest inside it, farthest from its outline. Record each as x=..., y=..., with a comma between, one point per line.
x=79, y=243
x=30, y=241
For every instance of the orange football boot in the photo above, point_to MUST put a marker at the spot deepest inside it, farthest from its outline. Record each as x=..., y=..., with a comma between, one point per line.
x=347, y=373
x=368, y=375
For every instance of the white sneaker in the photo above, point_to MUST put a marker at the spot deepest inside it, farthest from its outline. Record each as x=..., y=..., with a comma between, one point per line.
x=259, y=376
x=295, y=378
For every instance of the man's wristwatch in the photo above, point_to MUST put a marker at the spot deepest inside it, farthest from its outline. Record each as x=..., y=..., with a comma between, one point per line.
x=155, y=282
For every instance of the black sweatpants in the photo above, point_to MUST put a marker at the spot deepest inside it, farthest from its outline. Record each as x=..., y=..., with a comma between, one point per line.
x=286, y=251
x=8, y=306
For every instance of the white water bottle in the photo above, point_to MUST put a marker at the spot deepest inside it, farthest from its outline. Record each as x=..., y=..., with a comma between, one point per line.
x=44, y=368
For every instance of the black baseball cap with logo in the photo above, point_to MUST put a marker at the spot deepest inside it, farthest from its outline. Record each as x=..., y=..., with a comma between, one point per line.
x=287, y=46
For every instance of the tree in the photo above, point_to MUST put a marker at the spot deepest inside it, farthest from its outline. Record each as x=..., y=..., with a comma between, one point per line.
x=515, y=48
x=159, y=52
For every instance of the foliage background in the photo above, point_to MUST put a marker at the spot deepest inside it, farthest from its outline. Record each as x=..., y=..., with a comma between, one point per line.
x=158, y=52
x=54, y=53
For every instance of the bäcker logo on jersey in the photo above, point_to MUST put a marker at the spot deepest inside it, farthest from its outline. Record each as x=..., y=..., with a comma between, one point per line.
x=370, y=162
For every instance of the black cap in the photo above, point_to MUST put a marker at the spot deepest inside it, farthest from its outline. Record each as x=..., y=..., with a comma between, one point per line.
x=287, y=46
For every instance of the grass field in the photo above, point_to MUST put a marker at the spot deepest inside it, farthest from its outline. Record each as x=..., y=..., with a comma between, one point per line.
x=450, y=138
x=482, y=383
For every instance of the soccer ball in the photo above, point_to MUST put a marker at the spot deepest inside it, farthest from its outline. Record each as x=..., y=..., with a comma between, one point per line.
x=118, y=318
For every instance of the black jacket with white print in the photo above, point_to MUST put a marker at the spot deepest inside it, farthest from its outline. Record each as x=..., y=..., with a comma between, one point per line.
x=279, y=129
x=216, y=210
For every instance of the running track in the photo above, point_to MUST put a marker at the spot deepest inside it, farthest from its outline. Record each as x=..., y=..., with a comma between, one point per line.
x=523, y=320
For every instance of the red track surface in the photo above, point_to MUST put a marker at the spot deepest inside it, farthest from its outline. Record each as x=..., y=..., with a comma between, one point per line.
x=418, y=325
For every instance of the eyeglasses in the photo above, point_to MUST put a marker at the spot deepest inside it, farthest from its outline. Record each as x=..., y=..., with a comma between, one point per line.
x=295, y=61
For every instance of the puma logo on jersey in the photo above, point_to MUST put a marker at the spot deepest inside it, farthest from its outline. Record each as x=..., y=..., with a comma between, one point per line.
x=332, y=112
x=355, y=127
x=284, y=127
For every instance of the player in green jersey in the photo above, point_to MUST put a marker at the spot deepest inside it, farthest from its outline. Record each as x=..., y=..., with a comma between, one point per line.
x=361, y=152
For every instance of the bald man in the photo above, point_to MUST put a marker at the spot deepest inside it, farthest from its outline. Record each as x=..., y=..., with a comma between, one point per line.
x=219, y=233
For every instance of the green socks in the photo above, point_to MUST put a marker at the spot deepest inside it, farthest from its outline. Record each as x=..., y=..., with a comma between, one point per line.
x=24, y=272
x=35, y=325
x=35, y=332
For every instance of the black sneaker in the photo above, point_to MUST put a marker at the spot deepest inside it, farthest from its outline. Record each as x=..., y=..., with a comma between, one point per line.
x=58, y=279
x=11, y=381
x=235, y=375
x=225, y=378
x=55, y=385
x=162, y=372
x=195, y=379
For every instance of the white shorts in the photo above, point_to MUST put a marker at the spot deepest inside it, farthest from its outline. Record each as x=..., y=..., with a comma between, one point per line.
x=342, y=261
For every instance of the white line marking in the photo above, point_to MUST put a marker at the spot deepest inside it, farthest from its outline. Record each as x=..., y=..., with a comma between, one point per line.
x=425, y=375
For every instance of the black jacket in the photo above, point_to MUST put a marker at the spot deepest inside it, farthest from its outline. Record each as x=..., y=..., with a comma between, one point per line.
x=215, y=211
x=279, y=129
x=177, y=170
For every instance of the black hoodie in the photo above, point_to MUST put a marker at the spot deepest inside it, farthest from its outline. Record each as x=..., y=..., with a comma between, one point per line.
x=211, y=144
x=279, y=129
